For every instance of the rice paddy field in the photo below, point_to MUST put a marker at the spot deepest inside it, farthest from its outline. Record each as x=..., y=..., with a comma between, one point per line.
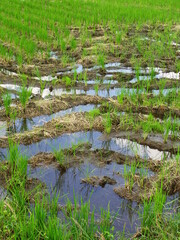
x=89, y=119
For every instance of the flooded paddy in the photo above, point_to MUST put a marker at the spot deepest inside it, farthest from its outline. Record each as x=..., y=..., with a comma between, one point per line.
x=87, y=176
x=92, y=117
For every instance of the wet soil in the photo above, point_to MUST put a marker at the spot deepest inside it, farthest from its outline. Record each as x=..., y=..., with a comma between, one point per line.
x=158, y=111
x=101, y=181
x=105, y=40
x=52, y=105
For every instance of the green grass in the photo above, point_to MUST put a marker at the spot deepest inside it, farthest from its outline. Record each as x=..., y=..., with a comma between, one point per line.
x=31, y=28
x=156, y=222
x=19, y=220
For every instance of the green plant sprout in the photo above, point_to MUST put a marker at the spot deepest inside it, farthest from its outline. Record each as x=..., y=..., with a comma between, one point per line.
x=24, y=96
x=7, y=103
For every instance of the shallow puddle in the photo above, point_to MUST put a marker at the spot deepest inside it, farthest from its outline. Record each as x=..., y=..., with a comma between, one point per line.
x=69, y=182
x=78, y=68
x=159, y=73
x=133, y=148
x=105, y=81
x=17, y=88
x=123, y=146
x=25, y=124
x=3, y=127
x=106, y=93
x=58, y=92
x=11, y=87
x=53, y=55
x=141, y=78
x=165, y=91
x=106, y=66
x=46, y=78
x=112, y=92
x=170, y=75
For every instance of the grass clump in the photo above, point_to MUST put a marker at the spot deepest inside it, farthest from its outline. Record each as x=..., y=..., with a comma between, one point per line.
x=94, y=113
x=59, y=155
x=156, y=222
x=17, y=163
x=68, y=82
x=22, y=220
x=24, y=96
x=7, y=103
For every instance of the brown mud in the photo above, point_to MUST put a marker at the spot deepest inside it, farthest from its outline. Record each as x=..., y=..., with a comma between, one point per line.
x=98, y=181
